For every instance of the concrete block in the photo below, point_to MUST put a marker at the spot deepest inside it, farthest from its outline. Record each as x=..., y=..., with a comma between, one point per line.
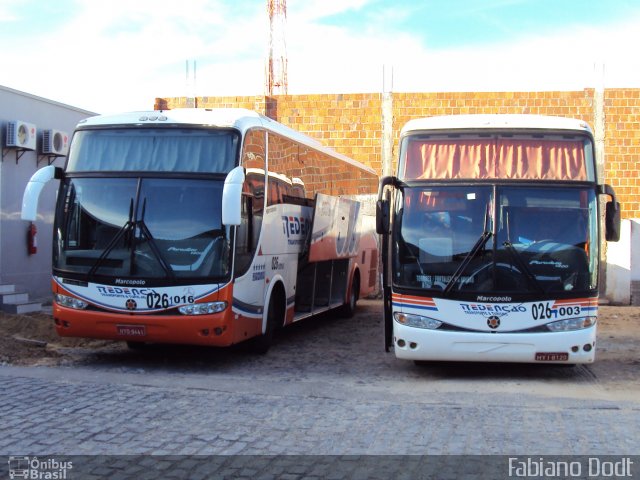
x=20, y=308
x=15, y=297
x=7, y=288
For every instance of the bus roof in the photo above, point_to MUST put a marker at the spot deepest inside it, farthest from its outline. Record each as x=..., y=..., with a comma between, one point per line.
x=495, y=122
x=238, y=118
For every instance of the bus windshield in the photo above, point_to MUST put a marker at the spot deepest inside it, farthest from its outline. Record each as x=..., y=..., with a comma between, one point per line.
x=141, y=228
x=499, y=239
x=187, y=150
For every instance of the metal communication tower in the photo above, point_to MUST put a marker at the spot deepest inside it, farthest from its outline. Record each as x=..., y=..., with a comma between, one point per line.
x=277, y=64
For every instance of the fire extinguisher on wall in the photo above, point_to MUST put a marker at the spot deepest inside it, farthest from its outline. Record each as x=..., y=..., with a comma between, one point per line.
x=32, y=239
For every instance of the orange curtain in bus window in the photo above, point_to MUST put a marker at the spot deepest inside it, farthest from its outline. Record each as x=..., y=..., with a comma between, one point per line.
x=439, y=159
x=491, y=158
x=541, y=159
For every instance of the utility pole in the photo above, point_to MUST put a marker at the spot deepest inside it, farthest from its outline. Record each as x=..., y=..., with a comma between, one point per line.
x=387, y=121
x=276, y=82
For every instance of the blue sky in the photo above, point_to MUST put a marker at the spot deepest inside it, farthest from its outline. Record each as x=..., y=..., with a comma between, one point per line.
x=454, y=23
x=116, y=55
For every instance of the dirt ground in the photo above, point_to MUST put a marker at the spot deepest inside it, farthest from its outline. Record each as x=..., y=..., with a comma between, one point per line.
x=32, y=340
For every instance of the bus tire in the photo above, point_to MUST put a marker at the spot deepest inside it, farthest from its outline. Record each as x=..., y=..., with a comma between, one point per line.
x=349, y=308
x=275, y=318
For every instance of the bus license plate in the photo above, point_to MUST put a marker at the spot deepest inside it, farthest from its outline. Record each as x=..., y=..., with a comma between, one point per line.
x=132, y=330
x=552, y=356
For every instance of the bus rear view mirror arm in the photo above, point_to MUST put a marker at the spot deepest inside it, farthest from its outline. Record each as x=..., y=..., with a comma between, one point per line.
x=232, y=197
x=32, y=192
x=385, y=182
x=612, y=214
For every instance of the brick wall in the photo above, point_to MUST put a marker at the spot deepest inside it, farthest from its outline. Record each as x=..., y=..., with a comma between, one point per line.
x=622, y=147
x=352, y=123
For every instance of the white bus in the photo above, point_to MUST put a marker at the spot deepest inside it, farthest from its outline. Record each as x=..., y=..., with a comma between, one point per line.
x=491, y=240
x=202, y=226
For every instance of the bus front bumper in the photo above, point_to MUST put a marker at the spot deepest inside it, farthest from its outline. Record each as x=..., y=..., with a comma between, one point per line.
x=570, y=347
x=213, y=330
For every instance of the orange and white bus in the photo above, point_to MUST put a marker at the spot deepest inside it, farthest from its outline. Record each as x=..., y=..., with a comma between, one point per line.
x=491, y=238
x=204, y=226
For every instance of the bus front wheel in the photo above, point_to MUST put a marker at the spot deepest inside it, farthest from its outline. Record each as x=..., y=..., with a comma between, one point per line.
x=275, y=315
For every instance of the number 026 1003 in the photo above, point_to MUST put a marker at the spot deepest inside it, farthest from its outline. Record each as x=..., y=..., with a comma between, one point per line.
x=544, y=311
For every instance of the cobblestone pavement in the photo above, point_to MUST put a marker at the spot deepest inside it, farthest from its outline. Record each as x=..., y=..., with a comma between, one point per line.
x=325, y=388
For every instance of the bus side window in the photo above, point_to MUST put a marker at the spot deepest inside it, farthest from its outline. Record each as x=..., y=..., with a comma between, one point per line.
x=274, y=196
x=255, y=207
x=253, y=197
x=248, y=232
x=286, y=172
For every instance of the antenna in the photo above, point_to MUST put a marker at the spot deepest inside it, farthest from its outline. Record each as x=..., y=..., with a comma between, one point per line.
x=387, y=78
x=276, y=81
x=190, y=81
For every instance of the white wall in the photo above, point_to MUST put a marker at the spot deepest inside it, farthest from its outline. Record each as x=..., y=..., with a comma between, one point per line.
x=635, y=261
x=623, y=263
x=30, y=273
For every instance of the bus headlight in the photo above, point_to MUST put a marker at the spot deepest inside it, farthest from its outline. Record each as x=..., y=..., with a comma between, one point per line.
x=71, y=302
x=417, y=321
x=572, y=324
x=202, y=308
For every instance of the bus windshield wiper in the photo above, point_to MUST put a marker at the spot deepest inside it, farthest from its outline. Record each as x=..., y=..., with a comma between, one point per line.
x=479, y=245
x=153, y=246
x=128, y=232
x=531, y=278
x=125, y=231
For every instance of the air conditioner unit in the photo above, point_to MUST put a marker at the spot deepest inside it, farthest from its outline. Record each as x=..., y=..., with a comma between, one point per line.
x=55, y=142
x=21, y=135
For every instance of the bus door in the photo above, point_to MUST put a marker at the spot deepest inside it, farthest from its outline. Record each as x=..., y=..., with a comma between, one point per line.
x=323, y=279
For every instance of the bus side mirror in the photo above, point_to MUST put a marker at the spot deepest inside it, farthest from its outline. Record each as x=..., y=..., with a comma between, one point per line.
x=612, y=215
x=232, y=197
x=382, y=206
x=33, y=189
x=382, y=217
x=612, y=221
